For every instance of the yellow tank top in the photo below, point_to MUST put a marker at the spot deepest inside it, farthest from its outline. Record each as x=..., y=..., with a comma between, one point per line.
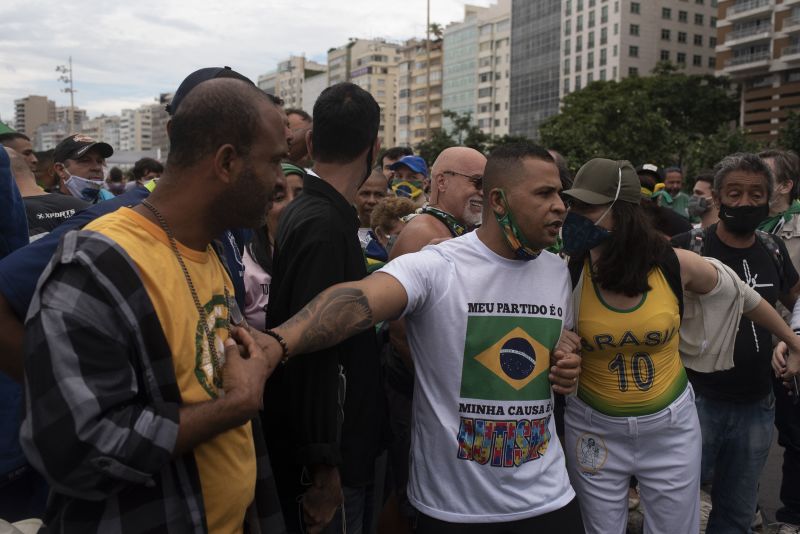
x=226, y=462
x=631, y=364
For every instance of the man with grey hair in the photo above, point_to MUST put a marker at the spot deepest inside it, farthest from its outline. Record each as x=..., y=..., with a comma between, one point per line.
x=784, y=222
x=736, y=406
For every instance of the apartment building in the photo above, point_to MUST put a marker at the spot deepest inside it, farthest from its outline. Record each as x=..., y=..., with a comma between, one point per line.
x=759, y=48
x=372, y=65
x=65, y=113
x=103, y=128
x=287, y=80
x=31, y=112
x=477, y=66
x=419, y=91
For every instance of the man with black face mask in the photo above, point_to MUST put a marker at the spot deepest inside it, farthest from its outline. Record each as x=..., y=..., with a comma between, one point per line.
x=736, y=406
x=322, y=439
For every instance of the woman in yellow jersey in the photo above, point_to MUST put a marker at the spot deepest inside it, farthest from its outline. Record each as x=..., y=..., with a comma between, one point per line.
x=634, y=412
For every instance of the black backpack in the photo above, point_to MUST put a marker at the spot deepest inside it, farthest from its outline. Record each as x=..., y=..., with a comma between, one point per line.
x=697, y=245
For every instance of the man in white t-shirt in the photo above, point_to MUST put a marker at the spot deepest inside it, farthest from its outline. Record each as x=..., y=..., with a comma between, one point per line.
x=487, y=315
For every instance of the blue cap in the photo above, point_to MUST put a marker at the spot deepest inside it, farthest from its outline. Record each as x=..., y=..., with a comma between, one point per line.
x=415, y=163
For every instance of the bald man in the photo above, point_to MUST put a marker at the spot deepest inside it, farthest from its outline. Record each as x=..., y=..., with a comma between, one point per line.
x=44, y=210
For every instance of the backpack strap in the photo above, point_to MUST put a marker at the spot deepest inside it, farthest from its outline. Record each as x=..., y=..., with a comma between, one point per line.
x=767, y=240
x=697, y=238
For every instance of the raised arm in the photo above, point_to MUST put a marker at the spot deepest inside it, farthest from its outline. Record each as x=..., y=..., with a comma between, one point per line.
x=697, y=275
x=336, y=314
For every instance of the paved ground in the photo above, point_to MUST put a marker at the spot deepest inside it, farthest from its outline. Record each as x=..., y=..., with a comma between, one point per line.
x=770, y=486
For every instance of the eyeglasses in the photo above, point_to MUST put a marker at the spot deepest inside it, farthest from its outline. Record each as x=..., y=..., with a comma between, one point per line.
x=475, y=179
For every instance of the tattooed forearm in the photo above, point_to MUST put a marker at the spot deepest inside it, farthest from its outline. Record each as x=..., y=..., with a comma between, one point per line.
x=333, y=316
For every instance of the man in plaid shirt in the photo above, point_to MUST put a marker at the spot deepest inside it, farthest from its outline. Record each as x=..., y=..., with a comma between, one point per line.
x=138, y=404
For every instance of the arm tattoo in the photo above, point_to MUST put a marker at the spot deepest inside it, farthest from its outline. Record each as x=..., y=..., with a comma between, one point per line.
x=333, y=316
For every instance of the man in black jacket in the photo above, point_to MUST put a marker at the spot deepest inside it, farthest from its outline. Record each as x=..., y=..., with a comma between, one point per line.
x=322, y=423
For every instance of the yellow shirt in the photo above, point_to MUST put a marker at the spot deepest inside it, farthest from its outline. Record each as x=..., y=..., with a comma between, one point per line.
x=630, y=365
x=227, y=462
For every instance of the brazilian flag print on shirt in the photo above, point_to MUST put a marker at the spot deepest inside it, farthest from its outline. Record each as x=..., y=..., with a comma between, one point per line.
x=508, y=357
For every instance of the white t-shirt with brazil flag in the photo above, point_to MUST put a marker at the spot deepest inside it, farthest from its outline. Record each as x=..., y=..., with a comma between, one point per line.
x=481, y=328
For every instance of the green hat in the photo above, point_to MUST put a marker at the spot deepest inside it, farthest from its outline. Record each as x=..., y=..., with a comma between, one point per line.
x=288, y=168
x=601, y=181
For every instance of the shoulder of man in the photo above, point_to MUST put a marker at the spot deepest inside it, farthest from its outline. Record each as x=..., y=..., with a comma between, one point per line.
x=419, y=232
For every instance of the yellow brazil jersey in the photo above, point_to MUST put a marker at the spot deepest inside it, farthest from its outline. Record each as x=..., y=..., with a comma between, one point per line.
x=631, y=365
x=227, y=462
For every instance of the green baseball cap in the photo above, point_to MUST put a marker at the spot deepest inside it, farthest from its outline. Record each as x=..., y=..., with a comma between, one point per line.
x=601, y=181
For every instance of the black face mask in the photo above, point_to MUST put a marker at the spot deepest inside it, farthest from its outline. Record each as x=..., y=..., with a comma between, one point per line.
x=742, y=220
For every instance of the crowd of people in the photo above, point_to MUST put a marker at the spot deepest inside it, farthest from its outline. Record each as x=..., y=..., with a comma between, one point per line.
x=288, y=328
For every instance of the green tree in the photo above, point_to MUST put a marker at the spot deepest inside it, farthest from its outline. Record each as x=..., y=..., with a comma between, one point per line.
x=436, y=30
x=656, y=118
x=789, y=134
x=707, y=151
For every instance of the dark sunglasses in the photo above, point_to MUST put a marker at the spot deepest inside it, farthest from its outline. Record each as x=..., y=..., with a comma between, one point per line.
x=476, y=179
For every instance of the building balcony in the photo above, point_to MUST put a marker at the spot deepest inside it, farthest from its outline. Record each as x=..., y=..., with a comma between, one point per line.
x=791, y=24
x=791, y=53
x=749, y=35
x=750, y=8
x=747, y=62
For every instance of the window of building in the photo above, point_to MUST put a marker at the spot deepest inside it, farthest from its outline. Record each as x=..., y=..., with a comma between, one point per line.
x=614, y=52
x=578, y=82
x=603, y=74
x=713, y=22
x=486, y=91
x=567, y=28
x=633, y=51
x=634, y=30
x=712, y=42
x=681, y=58
x=616, y=29
x=666, y=13
x=580, y=5
x=497, y=107
x=681, y=37
x=698, y=2
x=567, y=47
x=568, y=8
x=698, y=19
x=566, y=86
x=590, y=60
x=665, y=35
x=698, y=40
x=712, y=62
x=603, y=14
x=592, y=3
x=603, y=57
x=578, y=65
x=589, y=77
x=636, y=8
x=579, y=43
x=603, y=36
x=579, y=24
x=591, y=19
x=665, y=55
x=683, y=16
x=590, y=40
x=697, y=61
x=633, y=72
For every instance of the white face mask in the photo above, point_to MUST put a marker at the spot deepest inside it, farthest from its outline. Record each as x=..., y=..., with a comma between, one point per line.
x=83, y=188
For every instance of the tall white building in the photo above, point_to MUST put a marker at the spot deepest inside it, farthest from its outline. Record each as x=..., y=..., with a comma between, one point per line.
x=477, y=66
x=104, y=129
x=78, y=118
x=614, y=39
x=372, y=65
x=287, y=80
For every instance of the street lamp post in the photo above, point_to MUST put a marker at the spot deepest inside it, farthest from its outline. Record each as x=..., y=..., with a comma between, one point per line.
x=66, y=77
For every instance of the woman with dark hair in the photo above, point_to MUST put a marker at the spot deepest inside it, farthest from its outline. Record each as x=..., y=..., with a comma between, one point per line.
x=257, y=257
x=634, y=412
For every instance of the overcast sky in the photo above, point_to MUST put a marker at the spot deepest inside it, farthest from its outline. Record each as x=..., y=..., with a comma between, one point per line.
x=126, y=53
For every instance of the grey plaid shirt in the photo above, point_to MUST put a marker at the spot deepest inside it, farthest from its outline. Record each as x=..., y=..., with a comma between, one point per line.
x=101, y=403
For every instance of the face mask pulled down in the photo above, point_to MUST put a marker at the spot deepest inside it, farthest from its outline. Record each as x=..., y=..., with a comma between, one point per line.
x=522, y=248
x=83, y=188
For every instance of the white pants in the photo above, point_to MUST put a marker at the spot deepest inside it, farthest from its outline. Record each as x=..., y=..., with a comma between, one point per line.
x=663, y=450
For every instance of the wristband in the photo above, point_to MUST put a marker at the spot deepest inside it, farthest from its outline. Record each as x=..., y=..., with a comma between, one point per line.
x=282, y=342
